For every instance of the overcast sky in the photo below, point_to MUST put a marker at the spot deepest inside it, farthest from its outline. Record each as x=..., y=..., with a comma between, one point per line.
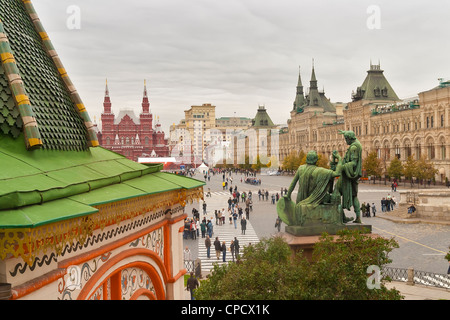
x=238, y=54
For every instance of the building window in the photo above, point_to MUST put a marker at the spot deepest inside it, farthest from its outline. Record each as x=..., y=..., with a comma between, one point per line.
x=407, y=150
x=431, y=154
x=397, y=151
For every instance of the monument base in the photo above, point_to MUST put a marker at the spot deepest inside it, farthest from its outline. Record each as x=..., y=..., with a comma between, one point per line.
x=306, y=243
x=318, y=229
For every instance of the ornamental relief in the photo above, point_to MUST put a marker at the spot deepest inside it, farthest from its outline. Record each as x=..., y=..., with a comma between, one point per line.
x=133, y=279
x=77, y=277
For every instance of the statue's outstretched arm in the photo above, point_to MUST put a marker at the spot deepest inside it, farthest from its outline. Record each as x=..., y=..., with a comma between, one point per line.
x=338, y=169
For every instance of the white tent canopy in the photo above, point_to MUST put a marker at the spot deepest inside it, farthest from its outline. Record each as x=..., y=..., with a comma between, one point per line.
x=203, y=168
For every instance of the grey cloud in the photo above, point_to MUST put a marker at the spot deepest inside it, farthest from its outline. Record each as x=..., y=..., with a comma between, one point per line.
x=238, y=54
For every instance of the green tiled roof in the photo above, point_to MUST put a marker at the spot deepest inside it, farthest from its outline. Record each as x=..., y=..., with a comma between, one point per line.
x=59, y=123
x=262, y=119
x=43, y=186
x=375, y=87
x=49, y=170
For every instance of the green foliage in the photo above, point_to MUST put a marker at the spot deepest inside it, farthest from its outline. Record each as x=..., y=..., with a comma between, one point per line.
x=395, y=168
x=372, y=164
x=269, y=271
x=323, y=161
x=425, y=169
x=293, y=160
x=341, y=266
x=410, y=168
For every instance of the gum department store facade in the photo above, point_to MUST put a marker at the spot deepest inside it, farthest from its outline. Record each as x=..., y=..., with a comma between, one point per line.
x=382, y=122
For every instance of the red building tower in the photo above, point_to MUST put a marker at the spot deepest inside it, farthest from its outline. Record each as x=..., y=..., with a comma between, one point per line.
x=129, y=135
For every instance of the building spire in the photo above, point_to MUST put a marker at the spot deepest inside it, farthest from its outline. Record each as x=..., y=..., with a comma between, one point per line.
x=313, y=82
x=106, y=88
x=299, y=97
x=107, y=100
x=145, y=103
x=145, y=88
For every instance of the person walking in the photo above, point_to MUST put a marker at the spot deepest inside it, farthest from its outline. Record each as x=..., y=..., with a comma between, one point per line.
x=278, y=224
x=232, y=250
x=236, y=247
x=203, y=228
x=208, y=246
x=374, y=209
x=192, y=284
x=243, y=225
x=209, y=228
x=224, y=252
x=193, y=229
x=235, y=216
x=217, y=247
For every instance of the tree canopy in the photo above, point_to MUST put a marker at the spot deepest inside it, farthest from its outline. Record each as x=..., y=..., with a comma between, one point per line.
x=268, y=270
x=372, y=164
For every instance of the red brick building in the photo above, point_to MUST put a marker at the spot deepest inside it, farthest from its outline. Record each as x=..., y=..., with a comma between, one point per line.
x=130, y=135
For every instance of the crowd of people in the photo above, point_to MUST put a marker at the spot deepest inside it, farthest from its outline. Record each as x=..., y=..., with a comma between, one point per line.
x=236, y=212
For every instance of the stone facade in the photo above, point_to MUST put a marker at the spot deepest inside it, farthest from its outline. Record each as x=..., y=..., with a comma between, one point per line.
x=199, y=135
x=384, y=123
x=130, y=135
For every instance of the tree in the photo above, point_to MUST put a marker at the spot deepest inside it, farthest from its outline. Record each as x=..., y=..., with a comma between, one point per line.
x=395, y=168
x=323, y=161
x=294, y=160
x=288, y=161
x=410, y=168
x=425, y=169
x=268, y=271
x=372, y=164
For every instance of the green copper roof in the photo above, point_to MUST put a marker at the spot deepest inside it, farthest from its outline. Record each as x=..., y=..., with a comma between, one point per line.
x=42, y=82
x=262, y=119
x=50, y=172
x=314, y=97
x=375, y=87
x=43, y=186
x=299, y=96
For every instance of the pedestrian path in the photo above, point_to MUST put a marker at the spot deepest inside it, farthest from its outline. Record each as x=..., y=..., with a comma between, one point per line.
x=254, y=193
x=225, y=232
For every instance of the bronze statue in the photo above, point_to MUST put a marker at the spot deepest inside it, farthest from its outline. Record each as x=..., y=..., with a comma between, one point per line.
x=319, y=204
x=351, y=172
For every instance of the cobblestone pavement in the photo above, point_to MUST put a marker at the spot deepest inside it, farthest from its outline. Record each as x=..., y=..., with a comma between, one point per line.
x=422, y=245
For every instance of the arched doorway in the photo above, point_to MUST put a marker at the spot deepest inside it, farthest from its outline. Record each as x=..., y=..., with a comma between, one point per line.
x=130, y=275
